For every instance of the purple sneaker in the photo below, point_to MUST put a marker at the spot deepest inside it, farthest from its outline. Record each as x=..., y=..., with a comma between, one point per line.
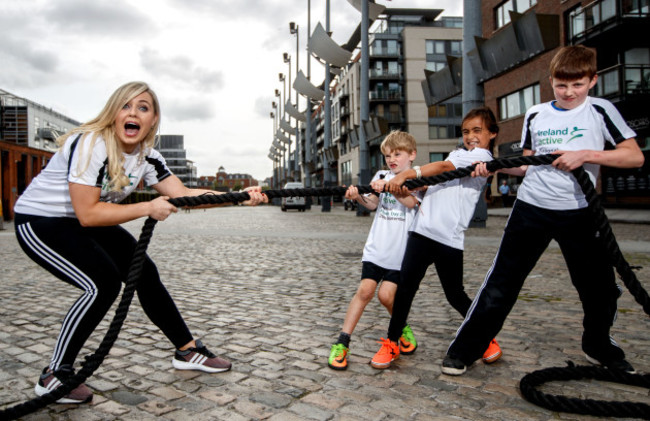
x=199, y=358
x=49, y=381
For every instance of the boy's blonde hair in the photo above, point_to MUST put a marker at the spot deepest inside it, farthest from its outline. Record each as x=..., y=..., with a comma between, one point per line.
x=103, y=125
x=399, y=141
x=573, y=62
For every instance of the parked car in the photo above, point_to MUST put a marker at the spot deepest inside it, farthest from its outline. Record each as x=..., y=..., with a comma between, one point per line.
x=297, y=202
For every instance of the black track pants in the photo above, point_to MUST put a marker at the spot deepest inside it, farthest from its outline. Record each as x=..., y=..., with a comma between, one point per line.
x=420, y=253
x=526, y=236
x=95, y=260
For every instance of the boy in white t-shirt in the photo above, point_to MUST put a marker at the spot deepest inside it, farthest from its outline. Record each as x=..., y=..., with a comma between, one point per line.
x=550, y=205
x=382, y=254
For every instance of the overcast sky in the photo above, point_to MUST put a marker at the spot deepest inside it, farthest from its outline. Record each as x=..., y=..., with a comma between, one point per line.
x=213, y=63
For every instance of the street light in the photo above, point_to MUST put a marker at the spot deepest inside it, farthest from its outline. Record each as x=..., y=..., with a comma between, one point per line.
x=293, y=30
x=287, y=159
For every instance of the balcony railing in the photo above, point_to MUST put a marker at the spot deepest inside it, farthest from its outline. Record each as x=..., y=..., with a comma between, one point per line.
x=619, y=80
x=385, y=95
x=383, y=52
x=602, y=11
x=384, y=74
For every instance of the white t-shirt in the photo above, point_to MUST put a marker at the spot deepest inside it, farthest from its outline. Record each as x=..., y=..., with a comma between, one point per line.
x=387, y=238
x=48, y=194
x=547, y=129
x=447, y=208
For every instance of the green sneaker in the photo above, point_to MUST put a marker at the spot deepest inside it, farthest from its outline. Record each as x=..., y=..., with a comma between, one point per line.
x=407, y=343
x=338, y=357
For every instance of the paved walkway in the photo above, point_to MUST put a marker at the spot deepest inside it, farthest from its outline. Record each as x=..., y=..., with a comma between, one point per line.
x=268, y=290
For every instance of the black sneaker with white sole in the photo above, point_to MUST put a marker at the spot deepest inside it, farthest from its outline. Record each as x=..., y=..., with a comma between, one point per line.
x=619, y=365
x=199, y=358
x=52, y=380
x=452, y=366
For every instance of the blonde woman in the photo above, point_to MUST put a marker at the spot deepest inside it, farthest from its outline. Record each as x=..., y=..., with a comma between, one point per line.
x=67, y=221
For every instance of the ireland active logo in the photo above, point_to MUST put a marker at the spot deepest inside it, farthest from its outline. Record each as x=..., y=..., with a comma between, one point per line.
x=557, y=136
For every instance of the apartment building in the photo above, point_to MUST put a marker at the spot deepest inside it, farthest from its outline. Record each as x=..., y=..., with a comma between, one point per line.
x=402, y=44
x=28, y=133
x=519, y=39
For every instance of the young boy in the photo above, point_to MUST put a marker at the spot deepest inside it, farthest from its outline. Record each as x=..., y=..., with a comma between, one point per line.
x=384, y=249
x=550, y=205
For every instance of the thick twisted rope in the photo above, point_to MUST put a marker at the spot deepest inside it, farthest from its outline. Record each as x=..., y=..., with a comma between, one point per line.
x=528, y=387
x=530, y=381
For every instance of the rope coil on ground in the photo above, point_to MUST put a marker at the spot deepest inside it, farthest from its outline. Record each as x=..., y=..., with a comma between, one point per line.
x=527, y=384
x=530, y=381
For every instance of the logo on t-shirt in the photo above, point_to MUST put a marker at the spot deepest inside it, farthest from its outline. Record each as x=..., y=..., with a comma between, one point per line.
x=574, y=135
x=557, y=136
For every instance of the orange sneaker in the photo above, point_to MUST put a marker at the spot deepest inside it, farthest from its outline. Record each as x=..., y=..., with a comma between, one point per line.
x=388, y=353
x=492, y=353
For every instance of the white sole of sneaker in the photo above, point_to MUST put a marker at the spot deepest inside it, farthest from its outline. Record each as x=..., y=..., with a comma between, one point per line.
x=181, y=365
x=592, y=360
x=450, y=371
x=40, y=391
x=492, y=358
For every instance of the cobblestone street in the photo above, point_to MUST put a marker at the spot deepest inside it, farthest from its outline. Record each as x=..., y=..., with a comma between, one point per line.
x=268, y=290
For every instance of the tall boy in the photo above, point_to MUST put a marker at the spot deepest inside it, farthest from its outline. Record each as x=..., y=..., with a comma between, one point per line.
x=551, y=205
x=384, y=249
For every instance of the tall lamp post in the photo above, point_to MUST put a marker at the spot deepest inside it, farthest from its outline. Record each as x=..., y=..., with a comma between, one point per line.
x=275, y=166
x=327, y=141
x=282, y=79
x=293, y=30
x=287, y=59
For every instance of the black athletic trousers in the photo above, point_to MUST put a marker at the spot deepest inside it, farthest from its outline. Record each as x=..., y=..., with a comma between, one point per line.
x=527, y=234
x=95, y=260
x=420, y=253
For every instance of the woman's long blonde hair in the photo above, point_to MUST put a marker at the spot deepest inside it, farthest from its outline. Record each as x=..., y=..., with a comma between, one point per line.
x=103, y=125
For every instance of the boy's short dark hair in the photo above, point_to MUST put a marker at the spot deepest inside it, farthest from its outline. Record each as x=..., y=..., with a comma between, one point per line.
x=573, y=62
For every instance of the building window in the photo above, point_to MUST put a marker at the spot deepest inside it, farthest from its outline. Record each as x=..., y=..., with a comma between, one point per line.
x=435, y=66
x=455, y=47
x=438, y=111
x=437, y=52
x=516, y=103
x=437, y=156
x=502, y=12
x=346, y=173
x=438, y=132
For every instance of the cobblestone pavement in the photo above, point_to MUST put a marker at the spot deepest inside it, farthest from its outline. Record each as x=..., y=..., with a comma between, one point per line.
x=268, y=290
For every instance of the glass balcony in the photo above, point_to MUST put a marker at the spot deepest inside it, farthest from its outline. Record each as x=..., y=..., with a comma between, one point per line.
x=385, y=95
x=384, y=74
x=597, y=13
x=378, y=51
x=623, y=80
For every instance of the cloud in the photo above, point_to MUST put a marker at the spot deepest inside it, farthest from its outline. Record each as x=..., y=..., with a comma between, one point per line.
x=262, y=106
x=21, y=51
x=188, y=109
x=181, y=69
x=243, y=10
x=97, y=17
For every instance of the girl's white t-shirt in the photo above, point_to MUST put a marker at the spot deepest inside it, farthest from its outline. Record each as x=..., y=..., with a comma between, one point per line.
x=387, y=238
x=447, y=208
x=48, y=194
